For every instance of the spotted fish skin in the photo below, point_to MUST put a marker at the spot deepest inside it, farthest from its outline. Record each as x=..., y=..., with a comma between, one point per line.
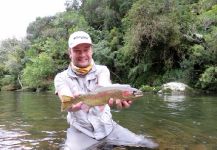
x=101, y=96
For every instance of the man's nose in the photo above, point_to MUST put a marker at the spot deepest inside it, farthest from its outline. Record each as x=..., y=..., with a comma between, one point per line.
x=82, y=53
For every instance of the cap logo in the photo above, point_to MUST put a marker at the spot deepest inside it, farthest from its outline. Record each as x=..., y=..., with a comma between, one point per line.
x=80, y=37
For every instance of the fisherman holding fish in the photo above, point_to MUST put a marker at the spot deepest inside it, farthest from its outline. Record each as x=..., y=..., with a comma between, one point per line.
x=91, y=125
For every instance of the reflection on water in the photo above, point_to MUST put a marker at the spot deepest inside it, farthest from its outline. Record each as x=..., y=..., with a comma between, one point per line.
x=34, y=121
x=30, y=121
x=173, y=101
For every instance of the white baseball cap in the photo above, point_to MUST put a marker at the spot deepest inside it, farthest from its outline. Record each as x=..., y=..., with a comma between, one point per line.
x=79, y=37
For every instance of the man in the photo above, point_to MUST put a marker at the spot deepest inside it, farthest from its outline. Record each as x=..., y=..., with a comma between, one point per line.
x=90, y=125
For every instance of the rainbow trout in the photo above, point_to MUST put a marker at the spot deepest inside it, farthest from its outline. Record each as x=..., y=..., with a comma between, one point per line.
x=101, y=96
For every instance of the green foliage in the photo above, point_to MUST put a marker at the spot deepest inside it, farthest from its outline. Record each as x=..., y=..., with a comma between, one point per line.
x=197, y=50
x=105, y=14
x=102, y=54
x=7, y=79
x=208, y=79
x=208, y=18
x=204, y=5
x=115, y=39
x=72, y=5
x=38, y=73
x=147, y=88
x=204, y=52
x=105, y=51
x=154, y=31
x=143, y=42
x=8, y=83
x=12, y=60
x=50, y=34
x=172, y=75
x=56, y=27
x=36, y=28
x=211, y=40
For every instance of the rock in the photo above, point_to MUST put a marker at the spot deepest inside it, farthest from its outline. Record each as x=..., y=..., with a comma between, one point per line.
x=174, y=87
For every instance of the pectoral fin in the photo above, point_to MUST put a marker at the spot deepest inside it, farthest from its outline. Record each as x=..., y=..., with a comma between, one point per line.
x=65, y=105
x=66, y=98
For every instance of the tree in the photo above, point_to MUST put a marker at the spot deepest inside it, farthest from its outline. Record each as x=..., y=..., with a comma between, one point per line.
x=13, y=59
x=105, y=14
x=154, y=40
x=38, y=73
x=72, y=4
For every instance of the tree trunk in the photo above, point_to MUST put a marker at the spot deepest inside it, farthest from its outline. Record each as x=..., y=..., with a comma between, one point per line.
x=21, y=85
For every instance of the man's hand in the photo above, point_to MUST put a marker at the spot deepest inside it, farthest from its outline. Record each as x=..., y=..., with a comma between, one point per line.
x=79, y=106
x=120, y=103
x=74, y=107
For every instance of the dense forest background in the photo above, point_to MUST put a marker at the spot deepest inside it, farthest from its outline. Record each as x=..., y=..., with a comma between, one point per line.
x=143, y=42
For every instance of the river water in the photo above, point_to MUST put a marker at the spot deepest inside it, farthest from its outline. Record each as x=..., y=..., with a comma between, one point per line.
x=34, y=121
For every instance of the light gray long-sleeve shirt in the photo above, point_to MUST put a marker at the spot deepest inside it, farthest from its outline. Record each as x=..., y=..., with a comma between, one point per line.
x=97, y=121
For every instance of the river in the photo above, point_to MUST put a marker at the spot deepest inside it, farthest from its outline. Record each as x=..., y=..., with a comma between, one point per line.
x=176, y=122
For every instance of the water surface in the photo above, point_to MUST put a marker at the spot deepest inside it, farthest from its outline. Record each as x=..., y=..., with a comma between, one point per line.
x=34, y=121
x=31, y=121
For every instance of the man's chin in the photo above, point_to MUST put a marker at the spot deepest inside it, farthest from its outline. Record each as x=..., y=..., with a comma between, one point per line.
x=83, y=65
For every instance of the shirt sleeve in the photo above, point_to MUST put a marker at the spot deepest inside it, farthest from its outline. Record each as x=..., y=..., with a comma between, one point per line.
x=61, y=86
x=104, y=77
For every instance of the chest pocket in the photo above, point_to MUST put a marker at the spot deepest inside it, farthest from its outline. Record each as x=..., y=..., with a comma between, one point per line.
x=83, y=85
x=91, y=82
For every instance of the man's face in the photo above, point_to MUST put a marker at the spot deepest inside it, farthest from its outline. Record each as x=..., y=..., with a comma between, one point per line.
x=81, y=55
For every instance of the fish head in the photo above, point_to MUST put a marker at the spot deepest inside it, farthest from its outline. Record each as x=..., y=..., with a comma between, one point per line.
x=132, y=93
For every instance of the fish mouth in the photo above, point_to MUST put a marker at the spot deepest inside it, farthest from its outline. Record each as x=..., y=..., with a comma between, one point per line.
x=138, y=93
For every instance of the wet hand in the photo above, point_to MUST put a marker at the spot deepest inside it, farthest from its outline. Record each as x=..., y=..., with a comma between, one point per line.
x=75, y=107
x=78, y=106
x=120, y=103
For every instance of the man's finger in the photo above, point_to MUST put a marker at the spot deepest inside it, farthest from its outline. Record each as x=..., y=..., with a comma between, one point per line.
x=76, y=107
x=111, y=101
x=118, y=104
x=130, y=102
x=85, y=107
x=125, y=104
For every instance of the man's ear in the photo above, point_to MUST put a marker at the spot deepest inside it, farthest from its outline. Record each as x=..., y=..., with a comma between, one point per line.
x=69, y=51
